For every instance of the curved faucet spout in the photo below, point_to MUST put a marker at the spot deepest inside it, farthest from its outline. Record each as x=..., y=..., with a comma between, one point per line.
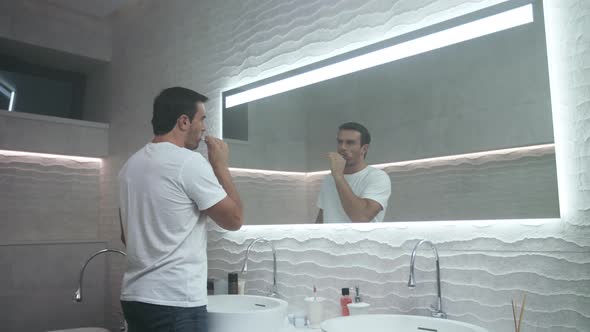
x=78, y=293
x=274, y=292
x=438, y=308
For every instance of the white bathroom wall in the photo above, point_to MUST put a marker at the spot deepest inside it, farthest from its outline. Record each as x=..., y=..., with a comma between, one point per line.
x=48, y=199
x=47, y=25
x=49, y=217
x=264, y=195
x=53, y=135
x=277, y=135
x=213, y=46
x=38, y=284
x=50, y=206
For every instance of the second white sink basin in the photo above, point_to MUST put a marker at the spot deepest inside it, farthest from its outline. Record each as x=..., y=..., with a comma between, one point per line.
x=245, y=313
x=396, y=323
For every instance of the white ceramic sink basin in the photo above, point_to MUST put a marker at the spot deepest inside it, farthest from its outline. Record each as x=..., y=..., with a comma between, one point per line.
x=245, y=313
x=396, y=323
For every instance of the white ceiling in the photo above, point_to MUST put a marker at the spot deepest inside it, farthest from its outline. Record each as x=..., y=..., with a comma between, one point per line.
x=95, y=8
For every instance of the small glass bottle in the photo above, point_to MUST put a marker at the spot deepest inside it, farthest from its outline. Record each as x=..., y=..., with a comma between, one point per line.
x=344, y=301
x=210, y=286
x=232, y=283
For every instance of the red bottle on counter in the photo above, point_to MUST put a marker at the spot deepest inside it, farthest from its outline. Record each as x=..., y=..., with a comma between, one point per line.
x=344, y=301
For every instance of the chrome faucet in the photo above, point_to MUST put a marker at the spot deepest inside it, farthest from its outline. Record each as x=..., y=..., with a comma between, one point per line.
x=437, y=310
x=78, y=293
x=274, y=291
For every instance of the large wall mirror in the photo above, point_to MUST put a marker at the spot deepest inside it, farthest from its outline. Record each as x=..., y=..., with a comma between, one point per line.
x=459, y=114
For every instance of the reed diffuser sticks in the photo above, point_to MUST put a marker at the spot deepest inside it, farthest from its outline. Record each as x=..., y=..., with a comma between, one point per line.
x=518, y=320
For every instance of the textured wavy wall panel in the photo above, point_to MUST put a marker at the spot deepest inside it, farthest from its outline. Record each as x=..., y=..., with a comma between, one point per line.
x=49, y=217
x=484, y=265
x=274, y=198
x=48, y=199
x=215, y=45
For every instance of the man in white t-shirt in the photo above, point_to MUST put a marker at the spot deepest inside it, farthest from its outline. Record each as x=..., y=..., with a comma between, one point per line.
x=354, y=191
x=166, y=193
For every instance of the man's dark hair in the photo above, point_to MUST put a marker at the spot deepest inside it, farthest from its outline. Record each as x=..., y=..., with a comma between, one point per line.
x=365, y=135
x=170, y=104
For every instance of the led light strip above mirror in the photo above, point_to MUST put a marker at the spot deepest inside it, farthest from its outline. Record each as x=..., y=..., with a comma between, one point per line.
x=496, y=18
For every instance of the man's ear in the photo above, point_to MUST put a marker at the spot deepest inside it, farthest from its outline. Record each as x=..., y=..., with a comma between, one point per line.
x=365, y=149
x=183, y=122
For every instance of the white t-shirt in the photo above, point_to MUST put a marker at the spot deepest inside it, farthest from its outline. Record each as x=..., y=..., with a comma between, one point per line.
x=370, y=183
x=163, y=189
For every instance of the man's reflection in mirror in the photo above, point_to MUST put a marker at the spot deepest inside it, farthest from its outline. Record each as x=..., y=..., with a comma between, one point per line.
x=354, y=191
